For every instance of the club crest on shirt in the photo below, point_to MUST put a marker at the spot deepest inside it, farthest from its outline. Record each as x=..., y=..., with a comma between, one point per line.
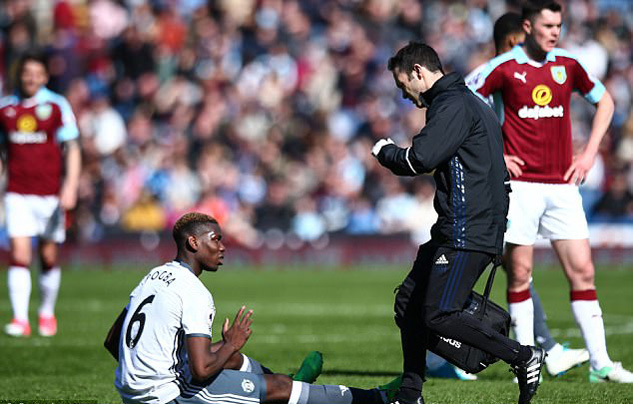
x=248, y=386
x=559, y=74
x=26, y=123
x=43, y=111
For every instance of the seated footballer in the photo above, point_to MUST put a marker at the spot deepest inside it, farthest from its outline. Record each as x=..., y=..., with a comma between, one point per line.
x=163, y=339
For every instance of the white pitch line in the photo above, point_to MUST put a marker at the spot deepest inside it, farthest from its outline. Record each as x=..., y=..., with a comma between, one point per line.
x=622, y=329
x=309, y=309
x=329, y=338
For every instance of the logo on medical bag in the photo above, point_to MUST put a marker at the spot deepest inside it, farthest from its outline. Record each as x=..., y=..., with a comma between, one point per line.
x=27, y=123
x=559, y=74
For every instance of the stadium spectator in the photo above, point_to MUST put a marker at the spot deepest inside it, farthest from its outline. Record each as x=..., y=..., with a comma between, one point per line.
x=43, y=162
x=617, y=202
x=104, y=125
x=171, y=311
x=535, y=82
x=461, y=144
x=328, y=55
x=508, y=32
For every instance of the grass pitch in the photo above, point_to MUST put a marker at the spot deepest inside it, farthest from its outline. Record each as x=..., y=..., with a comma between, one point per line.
x=346, y=314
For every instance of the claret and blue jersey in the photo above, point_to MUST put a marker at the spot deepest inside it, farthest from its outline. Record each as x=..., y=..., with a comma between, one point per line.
x=33, y=130
x=532, y=102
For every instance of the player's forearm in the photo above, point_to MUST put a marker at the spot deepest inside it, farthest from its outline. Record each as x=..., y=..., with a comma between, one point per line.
x=235, y=361
x=600, y=123
x=73, y=165
x=213, y=363
x=216, y=345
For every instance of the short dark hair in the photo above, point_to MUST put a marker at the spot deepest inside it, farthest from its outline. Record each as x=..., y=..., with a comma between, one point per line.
x=190, y=224
x=32, y=55
x=415, y=52
x=532, y=8
x=507, y=24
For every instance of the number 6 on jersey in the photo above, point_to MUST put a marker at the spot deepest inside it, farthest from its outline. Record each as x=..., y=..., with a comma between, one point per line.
x=139, y=318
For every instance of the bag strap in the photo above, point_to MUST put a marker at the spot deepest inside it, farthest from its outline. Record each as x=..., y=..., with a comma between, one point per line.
x=496, y=262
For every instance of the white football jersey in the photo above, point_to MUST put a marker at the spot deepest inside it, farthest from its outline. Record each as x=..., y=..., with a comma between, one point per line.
x=475, y=79
x=169, y=304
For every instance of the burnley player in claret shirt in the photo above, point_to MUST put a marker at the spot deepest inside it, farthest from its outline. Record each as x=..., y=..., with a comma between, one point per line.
x=42, y=160
x=531, y=86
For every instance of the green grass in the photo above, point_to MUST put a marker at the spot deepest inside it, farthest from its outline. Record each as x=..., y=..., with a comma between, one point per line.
x=346, y=314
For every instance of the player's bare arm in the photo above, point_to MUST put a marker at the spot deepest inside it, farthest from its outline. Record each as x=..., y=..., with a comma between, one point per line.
x=111, y=342
x=72, y=157
x=577, y=172
x=235, y=361
x=205, y=363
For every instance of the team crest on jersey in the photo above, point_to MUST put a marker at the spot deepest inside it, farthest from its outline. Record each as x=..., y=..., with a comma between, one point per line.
x=559, y=74
x=43, y=111
x=10, y=112
x=27, y=123
x=248, y=386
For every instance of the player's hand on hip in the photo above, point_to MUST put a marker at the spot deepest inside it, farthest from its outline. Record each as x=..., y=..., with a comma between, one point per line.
x=238, y=333
x=68, y=197
x=379, y=145
x=577, y=172
x=513, y=164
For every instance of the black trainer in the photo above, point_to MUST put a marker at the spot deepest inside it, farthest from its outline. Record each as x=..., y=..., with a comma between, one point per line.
x=529, y=374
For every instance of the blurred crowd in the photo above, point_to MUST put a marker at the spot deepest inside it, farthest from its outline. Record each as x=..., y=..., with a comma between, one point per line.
x=263, y=112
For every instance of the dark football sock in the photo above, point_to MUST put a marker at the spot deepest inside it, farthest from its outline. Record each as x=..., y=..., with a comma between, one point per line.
x=304, y=393
x=541, y=331
x=525, y=353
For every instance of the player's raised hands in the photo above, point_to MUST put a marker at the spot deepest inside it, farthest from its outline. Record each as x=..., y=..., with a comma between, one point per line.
x=513, y=164
x=238, y=333
x=577, y=171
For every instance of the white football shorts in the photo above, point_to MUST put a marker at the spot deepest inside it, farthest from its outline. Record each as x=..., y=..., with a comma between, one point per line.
x=35, y=215
x=551, y=211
